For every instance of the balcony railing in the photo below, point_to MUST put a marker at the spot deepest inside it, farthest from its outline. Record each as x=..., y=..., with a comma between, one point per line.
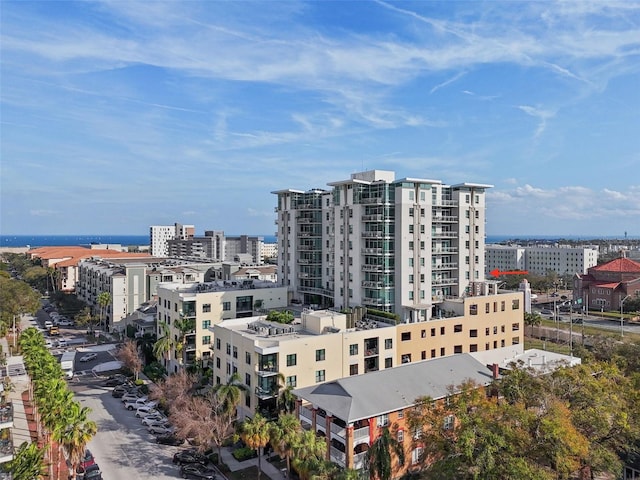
x=358, y=460
x=307, y=414
x=338, y=430
x=264, y=393
x=338, y=456
x=444, y=235
x=444, y=251
x=371, y=352
x=6, y=413
x=361, y=433
x=444, y=266
x=6, y=450
x=444, y=281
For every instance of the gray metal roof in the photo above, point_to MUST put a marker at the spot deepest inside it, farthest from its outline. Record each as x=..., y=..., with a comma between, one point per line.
x=376, y=393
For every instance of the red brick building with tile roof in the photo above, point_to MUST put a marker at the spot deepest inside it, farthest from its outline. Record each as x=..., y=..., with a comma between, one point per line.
x=605, y=286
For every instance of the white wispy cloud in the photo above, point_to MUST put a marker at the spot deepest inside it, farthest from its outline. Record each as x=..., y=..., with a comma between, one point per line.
x=542, y=115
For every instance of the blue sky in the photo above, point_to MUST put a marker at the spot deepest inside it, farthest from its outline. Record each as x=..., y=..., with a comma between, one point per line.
x=118, y=115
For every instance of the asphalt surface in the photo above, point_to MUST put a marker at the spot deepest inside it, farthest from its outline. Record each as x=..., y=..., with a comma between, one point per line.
x=123, y=448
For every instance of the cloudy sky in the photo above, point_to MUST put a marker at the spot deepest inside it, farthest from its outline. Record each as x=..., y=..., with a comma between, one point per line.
x=117, y=115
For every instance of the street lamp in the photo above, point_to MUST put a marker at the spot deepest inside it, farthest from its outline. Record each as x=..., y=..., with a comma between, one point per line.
x=622, y=315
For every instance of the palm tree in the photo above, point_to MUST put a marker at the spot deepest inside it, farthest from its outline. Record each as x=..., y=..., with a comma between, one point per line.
x=378, y=458
x=163, y=346
x=77, y=433
x=283, y=436
x=27, y=463
x=308, y=455
x=229, y=393
x=104, y=300
x=287, y=400
x=185, y=326
x=255, y=433
x=532, y=319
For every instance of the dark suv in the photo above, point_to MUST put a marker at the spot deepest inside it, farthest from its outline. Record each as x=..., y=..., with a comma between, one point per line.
x=183, y=457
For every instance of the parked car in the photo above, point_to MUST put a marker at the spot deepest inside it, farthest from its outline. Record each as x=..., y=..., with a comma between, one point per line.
x=132, y=397
x=135, y=404
x=182, y=457
x=158, y=423
x=88, y=357
x=63, y=342
x=48, y=324
x=155, y=418
x=169, y=439
x=115, y=380
x=161, y=429
x=65, y=322
x=146, y=409
x=197, y=471
x=92, y=472
x=87, y=460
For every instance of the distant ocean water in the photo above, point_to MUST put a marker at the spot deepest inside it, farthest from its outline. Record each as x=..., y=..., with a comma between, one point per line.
x=129, y=240
x=72, y=240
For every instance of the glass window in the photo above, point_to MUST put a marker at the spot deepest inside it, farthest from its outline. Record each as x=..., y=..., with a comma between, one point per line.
x=226, y=306
x=320, y=355
x=388, y=343
x=206, y=324
x=353, y=349
x=388, y=363
x=319, y=376
x=292, y=360
x=206, y=340
x=292, y=381
x=353, y=369
x=247, y=358
x=206, y=308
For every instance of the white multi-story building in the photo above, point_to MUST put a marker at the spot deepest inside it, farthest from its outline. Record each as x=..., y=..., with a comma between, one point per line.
x=130, y=283
x=188, y=311
x=159, y=236
x=399, y=246
x=269, y=251
x=539, y=260
x=244, y=249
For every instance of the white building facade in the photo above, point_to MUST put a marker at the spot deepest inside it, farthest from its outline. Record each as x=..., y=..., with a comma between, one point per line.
x=539, y=260
x=159, y=236
x=398, y=246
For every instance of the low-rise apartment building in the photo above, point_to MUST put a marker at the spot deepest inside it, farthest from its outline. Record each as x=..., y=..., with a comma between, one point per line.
x=190, y=310
x=130, y=283
x=351, y=412
x=325, y=345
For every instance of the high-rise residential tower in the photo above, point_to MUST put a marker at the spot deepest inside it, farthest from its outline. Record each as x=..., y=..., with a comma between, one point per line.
x=159, y=236
x=399, y=246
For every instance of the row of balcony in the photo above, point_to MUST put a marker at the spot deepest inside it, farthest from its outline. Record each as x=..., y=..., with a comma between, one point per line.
x=444, y=281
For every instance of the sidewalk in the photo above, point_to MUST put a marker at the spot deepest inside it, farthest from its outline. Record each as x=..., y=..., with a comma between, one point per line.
x=267, y=468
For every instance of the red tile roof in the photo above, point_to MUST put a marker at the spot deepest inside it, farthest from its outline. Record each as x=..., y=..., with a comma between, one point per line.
x=606, y=285
x=622, y=265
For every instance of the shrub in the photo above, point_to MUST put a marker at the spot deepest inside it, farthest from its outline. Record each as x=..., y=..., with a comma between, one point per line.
x=244, y=453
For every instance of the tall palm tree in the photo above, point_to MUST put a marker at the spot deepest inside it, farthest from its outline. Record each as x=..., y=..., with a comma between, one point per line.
x=185, y=326
x=229, y=393
x=378, y=458
x=79, y=430
x=104, y=300
x=283, y=436
x=287, y=400
x=532, y=319
x=164, y=344
x=255, y=433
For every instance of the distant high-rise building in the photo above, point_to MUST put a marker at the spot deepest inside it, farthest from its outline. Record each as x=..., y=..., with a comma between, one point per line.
x=398, y=246
x=211, y=246
x=159, y=236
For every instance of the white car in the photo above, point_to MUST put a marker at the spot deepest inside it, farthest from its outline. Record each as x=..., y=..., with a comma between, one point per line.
x=135, y=404
x=158, y=424
x=88, y=357
x=131, y=397
x=63, y=343
x=48, y=324
x=156, y=417
x=146, y=410
x=161, y=429
x=65, y=322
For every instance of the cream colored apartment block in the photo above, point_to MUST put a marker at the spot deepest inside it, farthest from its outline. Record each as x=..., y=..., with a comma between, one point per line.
x=470, y=324
x=323, y=345
x=202, y=305
x=320, y=346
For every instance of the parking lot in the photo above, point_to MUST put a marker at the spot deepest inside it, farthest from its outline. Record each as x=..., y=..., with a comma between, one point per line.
x=122, y=447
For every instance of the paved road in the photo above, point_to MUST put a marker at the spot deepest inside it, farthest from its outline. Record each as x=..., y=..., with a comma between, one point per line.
x=122, y=447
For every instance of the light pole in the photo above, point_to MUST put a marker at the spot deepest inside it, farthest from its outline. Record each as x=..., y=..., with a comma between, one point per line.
x=622, y=315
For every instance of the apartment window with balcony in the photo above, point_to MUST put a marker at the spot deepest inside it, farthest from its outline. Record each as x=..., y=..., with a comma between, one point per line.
x=320, y=376
x=320, y=355
x=353, y=369
x=292, y=381
x=292, y=360
x=388, y=343
x=353, y=349
x=206, y=340
x=206, y=308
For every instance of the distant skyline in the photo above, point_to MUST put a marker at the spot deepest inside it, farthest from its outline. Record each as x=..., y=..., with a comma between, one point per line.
x=115, y=116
